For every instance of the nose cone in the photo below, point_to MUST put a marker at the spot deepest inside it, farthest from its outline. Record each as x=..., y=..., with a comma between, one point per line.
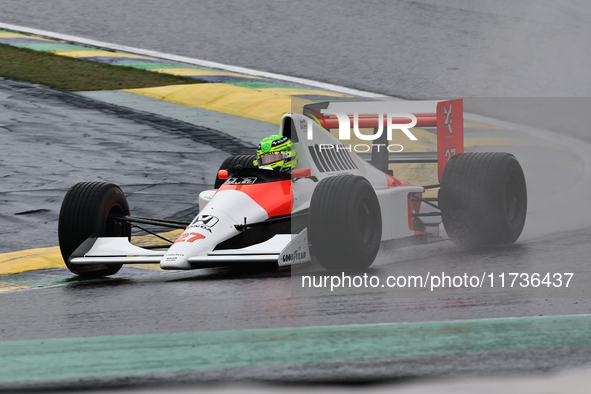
x=215, y=224
x=201, y=237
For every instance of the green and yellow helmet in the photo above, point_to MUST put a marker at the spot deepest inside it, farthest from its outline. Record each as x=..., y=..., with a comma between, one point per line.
x=277, y=153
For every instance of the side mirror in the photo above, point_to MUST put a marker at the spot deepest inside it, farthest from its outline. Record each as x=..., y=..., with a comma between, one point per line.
x=301, y=173
x=223, y=174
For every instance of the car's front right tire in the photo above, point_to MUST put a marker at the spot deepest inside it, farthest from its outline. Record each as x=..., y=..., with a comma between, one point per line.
x=244, y=161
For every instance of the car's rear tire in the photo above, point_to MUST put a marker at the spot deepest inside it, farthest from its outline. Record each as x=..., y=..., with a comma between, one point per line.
x=246, y=161
x=84, y=213
x=345, y=223
x=483, y=199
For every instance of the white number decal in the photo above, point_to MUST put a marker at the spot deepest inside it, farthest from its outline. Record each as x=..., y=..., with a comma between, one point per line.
x=449, y=153
x=448, y=121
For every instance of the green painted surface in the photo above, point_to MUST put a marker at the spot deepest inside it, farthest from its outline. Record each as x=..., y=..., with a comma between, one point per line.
x=54, y=47
x=57, y=359
x=157, y=66
x=40, y=279
x=265, y=85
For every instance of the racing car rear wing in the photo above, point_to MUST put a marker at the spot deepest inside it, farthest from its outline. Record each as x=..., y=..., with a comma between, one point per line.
x=447, y=117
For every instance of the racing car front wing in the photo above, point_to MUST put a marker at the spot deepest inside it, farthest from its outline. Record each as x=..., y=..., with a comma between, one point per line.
x=283, y=249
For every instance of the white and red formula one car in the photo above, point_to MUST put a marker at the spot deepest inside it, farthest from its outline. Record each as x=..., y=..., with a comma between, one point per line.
x=335, y=207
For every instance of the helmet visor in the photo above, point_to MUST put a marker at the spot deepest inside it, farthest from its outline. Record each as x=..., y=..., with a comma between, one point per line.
x=268, y=159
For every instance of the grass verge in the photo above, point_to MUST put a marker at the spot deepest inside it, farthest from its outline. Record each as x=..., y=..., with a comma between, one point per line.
x=73, y=74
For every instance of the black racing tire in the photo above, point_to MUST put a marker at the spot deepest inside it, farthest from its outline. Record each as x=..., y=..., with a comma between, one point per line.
x=246, y=161
x=85, y=213
x=345, y=223
x=483, y=199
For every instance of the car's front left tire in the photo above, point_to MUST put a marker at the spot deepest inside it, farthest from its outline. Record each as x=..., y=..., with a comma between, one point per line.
x=86, y=212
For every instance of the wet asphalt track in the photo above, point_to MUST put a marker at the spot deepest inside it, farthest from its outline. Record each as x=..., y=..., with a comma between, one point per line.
x=52, y=140
x=413, y=49
x=145, y=302
x=556, y=236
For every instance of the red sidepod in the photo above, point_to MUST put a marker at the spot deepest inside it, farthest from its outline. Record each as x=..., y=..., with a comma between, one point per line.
x=274, y=197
